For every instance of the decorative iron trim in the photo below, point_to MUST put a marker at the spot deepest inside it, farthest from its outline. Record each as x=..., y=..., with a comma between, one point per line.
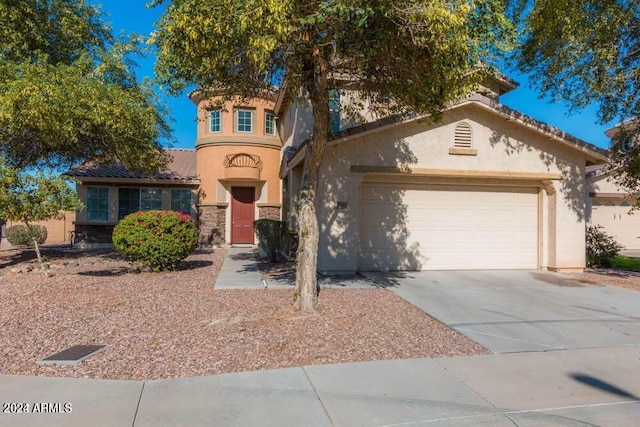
x=243, y=160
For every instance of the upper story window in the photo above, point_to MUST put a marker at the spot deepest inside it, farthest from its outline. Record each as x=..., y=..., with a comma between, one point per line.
x=269, y=123
x=334, y=110
x=244, y=120
x=215, y=123
x=462, y=136
x=97, y=203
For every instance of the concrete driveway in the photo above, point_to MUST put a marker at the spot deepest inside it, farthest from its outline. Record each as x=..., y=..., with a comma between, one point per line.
x=518, y=311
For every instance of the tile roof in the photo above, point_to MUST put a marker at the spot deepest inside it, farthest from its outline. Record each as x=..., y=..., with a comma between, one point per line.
x=593, y=170
x=492, y=104
x=182, y=167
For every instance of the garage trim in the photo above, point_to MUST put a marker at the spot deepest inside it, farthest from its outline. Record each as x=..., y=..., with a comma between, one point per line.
x=458, y=173
x=434, y=183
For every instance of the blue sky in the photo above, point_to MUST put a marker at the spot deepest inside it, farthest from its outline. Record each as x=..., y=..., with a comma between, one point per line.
x=133, y=16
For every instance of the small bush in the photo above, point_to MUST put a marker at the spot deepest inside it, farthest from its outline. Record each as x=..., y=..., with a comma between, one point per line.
x=270, y=235
x=158, y=240
x=18, y=235
x=601, y=247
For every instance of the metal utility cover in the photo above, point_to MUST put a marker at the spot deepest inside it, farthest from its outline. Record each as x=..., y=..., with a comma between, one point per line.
x=72, y=355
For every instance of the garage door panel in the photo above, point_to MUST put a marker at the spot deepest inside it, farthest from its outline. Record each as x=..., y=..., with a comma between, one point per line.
x=447, y=227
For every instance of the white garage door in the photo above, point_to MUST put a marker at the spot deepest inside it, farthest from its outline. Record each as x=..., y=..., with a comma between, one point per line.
x=614, y=216
x=432, y=227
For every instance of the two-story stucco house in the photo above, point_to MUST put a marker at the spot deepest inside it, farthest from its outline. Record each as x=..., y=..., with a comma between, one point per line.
x=486, y=188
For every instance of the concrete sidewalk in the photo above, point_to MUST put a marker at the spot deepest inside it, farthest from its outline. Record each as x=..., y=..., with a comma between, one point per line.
x=572, y=387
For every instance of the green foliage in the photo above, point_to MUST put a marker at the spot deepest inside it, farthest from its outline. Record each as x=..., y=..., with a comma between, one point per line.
x=602, y=249
x=159, y=240
x=626, y=263
x=68, y=92
x=270, y=235
x=587, y=54
x=21, y=235
x=424, y=54
x=34, y=197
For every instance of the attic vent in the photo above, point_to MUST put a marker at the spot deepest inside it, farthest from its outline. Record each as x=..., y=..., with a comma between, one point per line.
x=462, y=136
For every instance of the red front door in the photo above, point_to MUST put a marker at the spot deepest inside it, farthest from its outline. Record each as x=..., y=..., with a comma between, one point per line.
x=242, y=214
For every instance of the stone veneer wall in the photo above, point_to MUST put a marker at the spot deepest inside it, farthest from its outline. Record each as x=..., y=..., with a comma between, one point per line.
x=269, y=212
x=211, y=221
x=87, y=234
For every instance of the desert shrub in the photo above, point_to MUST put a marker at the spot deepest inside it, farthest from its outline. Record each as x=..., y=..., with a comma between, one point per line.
x=158, y=240
x=270, y=236
x=601, y=247
x=18, y=235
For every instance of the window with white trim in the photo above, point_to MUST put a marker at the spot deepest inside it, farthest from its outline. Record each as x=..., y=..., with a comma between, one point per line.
x=244, y=121
x=215, y=122
x=269, y=123
x=462, y=136
x=97, y=203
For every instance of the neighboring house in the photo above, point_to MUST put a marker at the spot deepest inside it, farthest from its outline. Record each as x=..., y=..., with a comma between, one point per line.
x=487, y=188
x=610, y=207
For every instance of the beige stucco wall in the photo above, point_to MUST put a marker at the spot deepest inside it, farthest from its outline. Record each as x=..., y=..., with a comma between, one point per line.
x=295, y=124
x=502, y=145
x=603, y=184
x=58, y=230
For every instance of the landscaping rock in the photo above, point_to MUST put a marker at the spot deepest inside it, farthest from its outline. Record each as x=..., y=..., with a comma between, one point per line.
x=73, y=264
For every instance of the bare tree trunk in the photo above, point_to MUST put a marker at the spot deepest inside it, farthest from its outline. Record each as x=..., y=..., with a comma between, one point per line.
x=315, y=81
x=306, y=291
x=44, y=268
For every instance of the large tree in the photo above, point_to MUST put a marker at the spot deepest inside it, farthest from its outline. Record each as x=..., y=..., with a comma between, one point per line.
x=422, y=54
x=68, y=92
x=588, y=52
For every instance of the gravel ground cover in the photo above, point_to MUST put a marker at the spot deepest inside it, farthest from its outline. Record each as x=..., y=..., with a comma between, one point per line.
x=175, y=324
x=609, y=276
